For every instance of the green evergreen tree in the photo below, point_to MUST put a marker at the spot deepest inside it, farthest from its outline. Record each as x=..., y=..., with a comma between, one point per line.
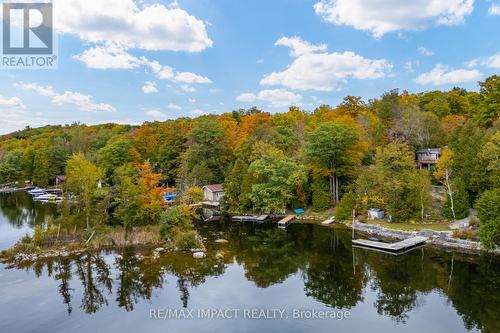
x=488, y=210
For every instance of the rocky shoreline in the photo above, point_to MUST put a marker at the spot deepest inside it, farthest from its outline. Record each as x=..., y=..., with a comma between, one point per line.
x=439, y=239
x=156, y=250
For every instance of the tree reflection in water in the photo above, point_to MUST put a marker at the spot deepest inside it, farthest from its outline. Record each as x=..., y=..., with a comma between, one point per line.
x=94, y=275
x=19, y=209
x=63, y=274
x=323, y=258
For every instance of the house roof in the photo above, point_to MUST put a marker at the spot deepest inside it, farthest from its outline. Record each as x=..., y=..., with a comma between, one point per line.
x=429, y=150
x=215, y=187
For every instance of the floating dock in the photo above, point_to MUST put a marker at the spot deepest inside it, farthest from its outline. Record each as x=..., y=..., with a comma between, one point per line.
x=9, y=190
x=392, y=248
x=286, y=220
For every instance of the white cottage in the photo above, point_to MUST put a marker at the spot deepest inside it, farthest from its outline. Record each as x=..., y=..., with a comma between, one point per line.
x=375, y=214
x=213, y=193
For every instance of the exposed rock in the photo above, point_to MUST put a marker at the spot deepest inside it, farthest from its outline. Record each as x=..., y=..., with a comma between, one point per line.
x=442, y=239
x=426, y=233
x=197, y=250
x=199, y=255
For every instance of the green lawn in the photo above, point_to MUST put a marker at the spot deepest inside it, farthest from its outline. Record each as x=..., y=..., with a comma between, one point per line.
x=412, y=227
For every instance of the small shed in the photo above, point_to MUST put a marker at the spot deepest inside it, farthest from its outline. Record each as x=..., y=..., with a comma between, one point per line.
x=61, y=179
x=213, y=193
x=375, y=214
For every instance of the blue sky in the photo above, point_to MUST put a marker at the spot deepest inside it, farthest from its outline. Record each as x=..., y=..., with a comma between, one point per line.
x=132, y=61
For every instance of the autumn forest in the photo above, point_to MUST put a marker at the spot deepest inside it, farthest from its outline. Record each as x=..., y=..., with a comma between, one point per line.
x=356, y=155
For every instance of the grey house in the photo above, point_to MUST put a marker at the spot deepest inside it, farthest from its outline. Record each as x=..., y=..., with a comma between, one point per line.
x=427, y=158
x=213, y=193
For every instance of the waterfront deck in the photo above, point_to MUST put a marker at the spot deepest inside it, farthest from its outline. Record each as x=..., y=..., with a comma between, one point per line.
x=392, y=248
x=286, y=220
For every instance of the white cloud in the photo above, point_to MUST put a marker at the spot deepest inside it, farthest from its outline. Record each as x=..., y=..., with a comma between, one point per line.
x=246, y=97
x=12, y=104
x=425, y=52
x=191, y=100
x=117, y=26
x=168, y=73
x=149, y=87
x=409, y=66
x=381, y=17
x=188, y=77
x=188, y=88
x=298, y=46
x=198, y=112
x=82, y=102
x=47, y=91
x=494, y=9
x=324, y=71
x=156, y=114
x=441, y=75
x=279, y=97
x=172, y=106
x=108, y=56
x=132, y=24
x=162, y=72
x=13, y=115
x=112, y=56
x=493, y=61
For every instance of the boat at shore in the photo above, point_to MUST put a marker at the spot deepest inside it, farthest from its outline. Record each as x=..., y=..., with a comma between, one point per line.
x=37, y=191
x=250, y=218
x=329, y=221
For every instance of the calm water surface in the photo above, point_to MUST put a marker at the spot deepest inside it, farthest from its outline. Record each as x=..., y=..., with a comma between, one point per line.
x=303, y=267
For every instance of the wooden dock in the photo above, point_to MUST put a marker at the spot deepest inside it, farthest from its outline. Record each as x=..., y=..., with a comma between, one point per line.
x=392, y=248
x=286, y=220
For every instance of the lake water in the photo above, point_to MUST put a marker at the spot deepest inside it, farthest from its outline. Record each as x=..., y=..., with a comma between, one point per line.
x=261, y=268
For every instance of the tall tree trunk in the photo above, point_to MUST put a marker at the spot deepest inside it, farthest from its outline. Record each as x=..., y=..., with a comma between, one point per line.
x=332, y=189
x=334, y=185
x=450, y=193
x=422, y=203
x=87, y=220
x=336, y=189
